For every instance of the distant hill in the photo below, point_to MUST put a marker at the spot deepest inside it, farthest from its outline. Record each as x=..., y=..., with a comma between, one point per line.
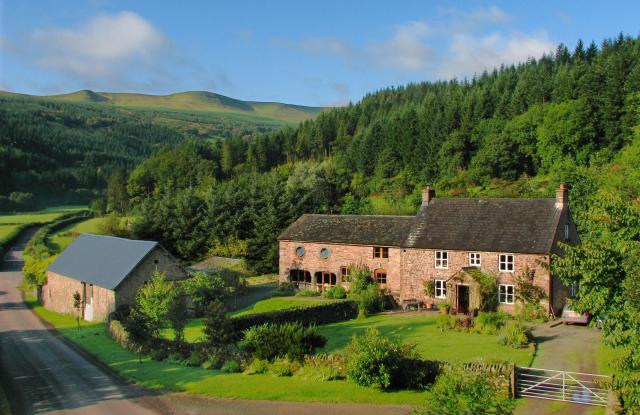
x=188, y=101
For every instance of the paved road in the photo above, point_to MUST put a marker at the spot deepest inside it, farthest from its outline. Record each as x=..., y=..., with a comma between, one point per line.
x=573, y=348
x=41, y=373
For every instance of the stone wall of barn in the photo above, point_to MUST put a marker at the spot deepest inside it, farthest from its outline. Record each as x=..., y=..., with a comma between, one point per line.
x=57, y=295
x=418, y=266
x=158, y=259
x=339, y=256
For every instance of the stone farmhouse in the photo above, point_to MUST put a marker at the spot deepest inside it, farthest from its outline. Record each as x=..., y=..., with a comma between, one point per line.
x=106, y=271
x=444, y=242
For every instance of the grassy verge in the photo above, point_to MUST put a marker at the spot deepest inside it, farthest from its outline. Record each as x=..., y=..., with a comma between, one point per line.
x=93, y=338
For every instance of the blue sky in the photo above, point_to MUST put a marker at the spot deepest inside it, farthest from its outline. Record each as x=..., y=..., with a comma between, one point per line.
x=310, y=53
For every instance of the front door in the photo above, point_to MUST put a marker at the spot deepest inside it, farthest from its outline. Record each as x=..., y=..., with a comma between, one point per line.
x=463, y=298
x=88, y=302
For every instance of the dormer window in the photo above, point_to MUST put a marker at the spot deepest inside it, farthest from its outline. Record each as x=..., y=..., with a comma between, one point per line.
x=442, y=259
x=506, y=263
x=566, y=231
x=380, y=252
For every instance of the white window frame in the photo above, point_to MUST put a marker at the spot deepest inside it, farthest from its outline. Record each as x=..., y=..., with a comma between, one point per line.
x=503, y=265
x=440, y=288
x=475, y=259
x=506, y=294
x=441, y=259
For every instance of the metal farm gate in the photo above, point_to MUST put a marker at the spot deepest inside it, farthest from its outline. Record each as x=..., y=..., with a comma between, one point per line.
x=558, y=385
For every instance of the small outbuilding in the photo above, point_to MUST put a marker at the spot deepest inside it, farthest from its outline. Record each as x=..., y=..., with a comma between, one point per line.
x=106, y=271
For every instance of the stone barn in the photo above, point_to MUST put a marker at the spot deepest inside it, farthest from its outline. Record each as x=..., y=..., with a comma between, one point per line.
x=106, y=271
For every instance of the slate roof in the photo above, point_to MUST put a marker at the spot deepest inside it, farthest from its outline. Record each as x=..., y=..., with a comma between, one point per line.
x=101, y=260
x=493, y=225
x=350, y=229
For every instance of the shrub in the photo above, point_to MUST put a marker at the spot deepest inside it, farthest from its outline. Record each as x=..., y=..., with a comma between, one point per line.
x=532, y=312
x=360, y=278
x=175, y=358
x=490, y=322
x=457, y=391
x=324, y=367
x=292, y=340
x=369, y=300
x=308, y=293
x=514, y=334
x=154, y=300
x=213, y=361
x=284, y=367
x=336, y=293
x=374, y=360
x=195, y=359
x=286, y=289
x=464, y=324
x=257, y=367
x=218, y=329
x=159, y=354
x=330, y=312
x=231, y=366
x=446, y=322
x=417, y=374
x=204, y=288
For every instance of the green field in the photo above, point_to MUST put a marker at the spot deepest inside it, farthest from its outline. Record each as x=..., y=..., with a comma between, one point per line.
x=159, y=375
x=63, y=238
x=11, y=223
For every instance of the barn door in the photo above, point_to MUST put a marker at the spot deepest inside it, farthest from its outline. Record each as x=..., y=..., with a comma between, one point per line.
x=88, y=301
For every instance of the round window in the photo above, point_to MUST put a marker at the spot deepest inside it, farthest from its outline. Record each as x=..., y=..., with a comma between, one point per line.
x=300, y=251
x=324, y=253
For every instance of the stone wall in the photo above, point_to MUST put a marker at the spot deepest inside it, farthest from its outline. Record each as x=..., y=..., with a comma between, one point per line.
x=158, y=259
x=418, y=265
x=339, y=256
x=57, y=295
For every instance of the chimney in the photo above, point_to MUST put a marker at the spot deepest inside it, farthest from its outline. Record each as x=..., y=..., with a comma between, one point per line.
x=428, y=194
x=562, y=197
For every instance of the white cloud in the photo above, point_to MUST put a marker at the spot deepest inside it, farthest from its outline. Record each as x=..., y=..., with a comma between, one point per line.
x=106, y=46
x=406, y=49
x=460, y=43
x=472, y=54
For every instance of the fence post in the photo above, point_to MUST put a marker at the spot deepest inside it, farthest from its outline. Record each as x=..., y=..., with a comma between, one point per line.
x=563, y=385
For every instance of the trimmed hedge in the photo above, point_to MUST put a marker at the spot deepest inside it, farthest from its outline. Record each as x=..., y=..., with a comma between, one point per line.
x=319, y=314
x=37, y=246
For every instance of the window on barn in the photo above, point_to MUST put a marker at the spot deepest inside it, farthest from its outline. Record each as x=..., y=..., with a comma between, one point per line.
x=380, y=252
x=442, y=259
x=326, y=278
x=300, y=251
x=506, y=263
x=475, y=260
x=506, y=294
x=299, y=275
x=380, y=276
x=566, y=232
x=324, y=253
x=440, y=289
x=345, y=274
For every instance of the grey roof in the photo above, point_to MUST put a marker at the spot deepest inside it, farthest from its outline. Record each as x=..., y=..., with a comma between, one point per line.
x=494, y=225
x=101, y=260
x=350, y=229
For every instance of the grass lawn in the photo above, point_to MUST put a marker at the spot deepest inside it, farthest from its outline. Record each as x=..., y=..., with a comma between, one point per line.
x=278, y=303
x=262, y=279
x=19, y=218
x=430, y=342
x=93, y=338
x=193, y=330
x=6, y=230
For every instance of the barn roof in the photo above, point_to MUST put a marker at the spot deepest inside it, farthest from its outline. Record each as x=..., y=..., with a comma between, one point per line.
x=350, y=229
x=493, y=225
x=101, y=260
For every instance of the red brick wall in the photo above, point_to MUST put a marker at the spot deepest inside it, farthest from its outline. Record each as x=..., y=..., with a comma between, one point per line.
x=418, y=265
x=339, y=256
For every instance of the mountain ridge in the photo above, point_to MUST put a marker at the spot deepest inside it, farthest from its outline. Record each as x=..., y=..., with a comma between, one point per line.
x=186, y=101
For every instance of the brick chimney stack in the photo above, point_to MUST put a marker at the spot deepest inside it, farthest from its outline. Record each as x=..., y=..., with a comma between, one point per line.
x=562, y=196
x=428, y=194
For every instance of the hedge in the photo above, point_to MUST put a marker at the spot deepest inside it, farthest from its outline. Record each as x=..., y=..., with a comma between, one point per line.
x=332, y=312
x=37, y=246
